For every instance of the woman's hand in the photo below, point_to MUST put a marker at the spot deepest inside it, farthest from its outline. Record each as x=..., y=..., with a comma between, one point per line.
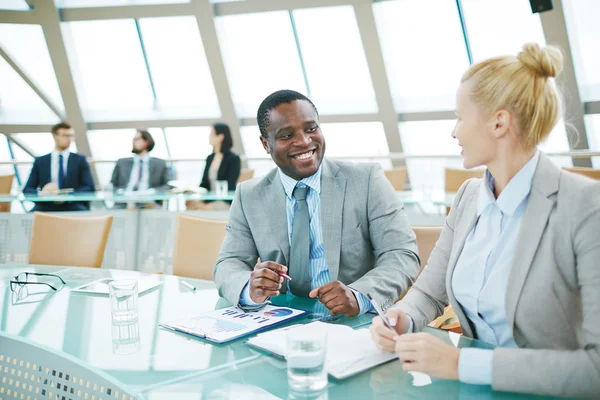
x=422, y=352
x=384, y=336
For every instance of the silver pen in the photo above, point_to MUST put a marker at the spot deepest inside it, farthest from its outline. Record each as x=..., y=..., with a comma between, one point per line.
x=380, y=312
x=189, y=286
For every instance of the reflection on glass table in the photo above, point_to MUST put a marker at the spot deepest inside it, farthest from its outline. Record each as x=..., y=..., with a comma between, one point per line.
x=138, y=354
x=266, y=378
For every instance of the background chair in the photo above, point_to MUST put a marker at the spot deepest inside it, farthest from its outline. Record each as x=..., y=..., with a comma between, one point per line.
x=589, y=172
x=245, y=174
x=427, y=237
x=397, y=177
x=71, y=241
x=28, y=370
x=454, y=178
x=197, y=245
x=6, y=182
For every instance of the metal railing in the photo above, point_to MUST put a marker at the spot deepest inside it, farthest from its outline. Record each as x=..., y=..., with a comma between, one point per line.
x=390, y=156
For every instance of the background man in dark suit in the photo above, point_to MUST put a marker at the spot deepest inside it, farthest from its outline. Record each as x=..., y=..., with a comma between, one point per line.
x=60, y=169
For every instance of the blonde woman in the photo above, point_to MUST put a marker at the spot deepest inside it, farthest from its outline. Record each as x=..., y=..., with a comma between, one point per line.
x=519, y=256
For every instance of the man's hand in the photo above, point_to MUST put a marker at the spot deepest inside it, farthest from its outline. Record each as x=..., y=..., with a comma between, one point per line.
x=265, y=282
x=50, y=187
x=338, y=298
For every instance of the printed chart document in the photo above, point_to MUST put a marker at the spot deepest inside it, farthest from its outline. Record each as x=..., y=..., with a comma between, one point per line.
x=349, y=351
x=230, y=323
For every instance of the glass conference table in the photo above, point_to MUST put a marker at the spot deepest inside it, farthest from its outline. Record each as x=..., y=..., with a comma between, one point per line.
x=437, y=198
x=158, y=364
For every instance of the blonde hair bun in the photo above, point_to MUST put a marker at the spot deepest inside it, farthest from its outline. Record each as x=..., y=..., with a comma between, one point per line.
x=546, y=62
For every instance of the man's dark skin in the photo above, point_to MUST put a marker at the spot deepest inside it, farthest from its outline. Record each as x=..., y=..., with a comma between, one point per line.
x=294, y=130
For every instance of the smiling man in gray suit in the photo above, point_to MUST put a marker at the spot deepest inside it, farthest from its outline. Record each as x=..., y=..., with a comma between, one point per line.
x=141, y=172
x=336, y=228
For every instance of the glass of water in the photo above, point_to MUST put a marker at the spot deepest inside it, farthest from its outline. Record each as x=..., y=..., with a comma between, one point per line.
x=305, y=354
x=123, y=300
x=221, y=188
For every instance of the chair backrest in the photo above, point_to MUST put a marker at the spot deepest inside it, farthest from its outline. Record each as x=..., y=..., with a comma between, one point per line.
x=28, y=370
x=245, y=174
x=454, y=178
x=197, y=245
x=427, y=237
x=72, y=241
x=589, y=172
x=397, y=177
x=6, y=182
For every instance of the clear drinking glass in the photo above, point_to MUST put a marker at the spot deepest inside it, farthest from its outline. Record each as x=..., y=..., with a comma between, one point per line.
x=305, y=354
x=123, y=300
x=221, y=188
x=126, y=338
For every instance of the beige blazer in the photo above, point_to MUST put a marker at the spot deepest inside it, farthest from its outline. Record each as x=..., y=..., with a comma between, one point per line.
x=553, y=295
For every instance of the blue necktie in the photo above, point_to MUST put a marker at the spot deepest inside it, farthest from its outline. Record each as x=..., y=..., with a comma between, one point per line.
x=61, y=172
x=300, y=247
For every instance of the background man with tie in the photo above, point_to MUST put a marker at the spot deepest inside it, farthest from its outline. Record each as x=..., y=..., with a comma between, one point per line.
x=141, y=172
x=336, y=228
x=60, y=169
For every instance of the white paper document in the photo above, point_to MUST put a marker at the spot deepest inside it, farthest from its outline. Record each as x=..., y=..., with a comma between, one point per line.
x=231, y=323
x=349, y=351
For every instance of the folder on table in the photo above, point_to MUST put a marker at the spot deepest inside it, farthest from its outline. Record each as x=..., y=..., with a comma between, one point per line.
x=230, y=323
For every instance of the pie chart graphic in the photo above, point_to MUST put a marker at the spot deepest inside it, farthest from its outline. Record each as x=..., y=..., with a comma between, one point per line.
x=278, y=312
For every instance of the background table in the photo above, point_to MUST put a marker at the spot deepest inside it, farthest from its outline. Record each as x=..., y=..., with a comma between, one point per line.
x=173, y=366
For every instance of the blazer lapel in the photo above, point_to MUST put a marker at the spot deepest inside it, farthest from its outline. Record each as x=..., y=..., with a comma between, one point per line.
x=462, y=229
x=539, y=207
x=333, y=192
x=275, y=212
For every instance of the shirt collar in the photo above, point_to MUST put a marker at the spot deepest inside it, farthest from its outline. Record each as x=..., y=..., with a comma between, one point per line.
x=64, y=153
x=289, y=184
x=513, y=194
x=145, y=158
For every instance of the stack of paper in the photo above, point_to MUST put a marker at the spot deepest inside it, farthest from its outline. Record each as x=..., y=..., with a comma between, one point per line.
x=340, y=362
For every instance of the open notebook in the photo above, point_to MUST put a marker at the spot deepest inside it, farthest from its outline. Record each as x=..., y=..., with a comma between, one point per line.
x=341, y=362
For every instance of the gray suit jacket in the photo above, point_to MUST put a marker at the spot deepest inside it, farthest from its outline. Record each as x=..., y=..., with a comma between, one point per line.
x=369, y=244
x=159, y=173
x=553, y=297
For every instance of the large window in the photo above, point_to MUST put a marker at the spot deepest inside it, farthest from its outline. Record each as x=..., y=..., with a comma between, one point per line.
x=189, y=143
x=428, y=138
x=500, y=27
x=180, y=73
x=260, y=57
x=109, y=3
x=26, y=45
x=19, y=104
x=424, y=52
x=19, y=5
x=584, y=37
x=592, y=126
x=334, y=59
x=107, y=60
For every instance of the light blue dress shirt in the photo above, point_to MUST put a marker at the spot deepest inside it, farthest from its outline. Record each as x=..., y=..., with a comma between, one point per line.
x=319, y=271
x=482, y=271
